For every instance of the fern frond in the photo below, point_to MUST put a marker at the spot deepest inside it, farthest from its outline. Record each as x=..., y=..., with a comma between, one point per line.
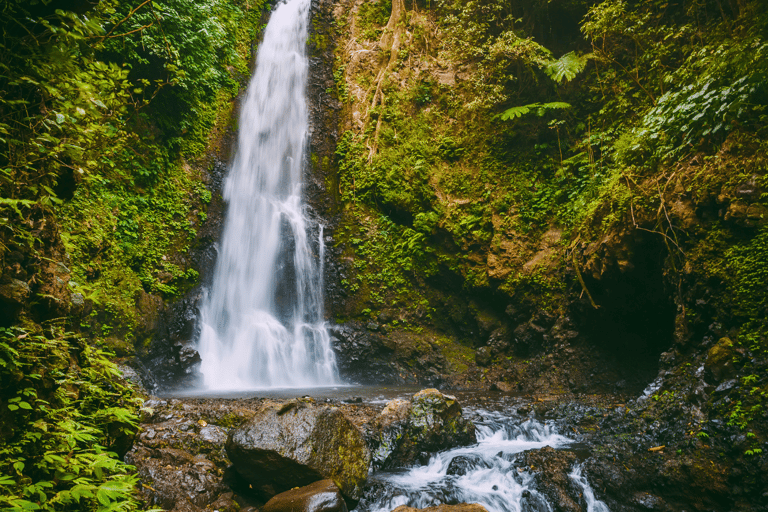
x=516, y=112
x=566, y=67
x=539, y=108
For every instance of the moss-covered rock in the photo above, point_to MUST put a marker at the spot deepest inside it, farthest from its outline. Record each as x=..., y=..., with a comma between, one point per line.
x=297, y=443
x=719, y=363
x=410, y=431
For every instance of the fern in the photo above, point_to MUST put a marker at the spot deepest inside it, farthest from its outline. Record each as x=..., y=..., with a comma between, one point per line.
x=566, y=67
x=539, y=108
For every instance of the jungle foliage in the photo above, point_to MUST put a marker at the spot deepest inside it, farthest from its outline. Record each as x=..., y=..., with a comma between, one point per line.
x=106, y=108
x=583, y=116
x=66, y=411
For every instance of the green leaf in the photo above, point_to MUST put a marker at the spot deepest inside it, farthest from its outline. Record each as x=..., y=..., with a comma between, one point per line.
x=112, y=491
x=566, y=67
x=539, y=108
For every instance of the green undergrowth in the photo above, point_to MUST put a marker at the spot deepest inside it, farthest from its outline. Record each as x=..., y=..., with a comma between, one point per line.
x=66, y=411
x=123, y=240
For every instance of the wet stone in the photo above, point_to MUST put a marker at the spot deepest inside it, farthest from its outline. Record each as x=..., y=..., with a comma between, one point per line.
x=410, y=431
x=321, y=496
x=464, y=464
x=726, y=386
x=461, y=507
x=297, y=443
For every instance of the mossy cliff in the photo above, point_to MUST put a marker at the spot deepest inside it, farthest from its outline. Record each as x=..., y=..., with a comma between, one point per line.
x=560, y=197
x=523, y=178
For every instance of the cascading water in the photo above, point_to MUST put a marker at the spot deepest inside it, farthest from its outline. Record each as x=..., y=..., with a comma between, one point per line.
x=262, y=322
x=485, y=473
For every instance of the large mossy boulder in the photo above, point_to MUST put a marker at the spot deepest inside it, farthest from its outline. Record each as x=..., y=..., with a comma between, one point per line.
x=406, y=432
x=296, y=443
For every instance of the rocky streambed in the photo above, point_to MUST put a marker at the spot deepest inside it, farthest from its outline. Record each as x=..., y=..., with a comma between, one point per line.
x=420, y=450
x=381, y=449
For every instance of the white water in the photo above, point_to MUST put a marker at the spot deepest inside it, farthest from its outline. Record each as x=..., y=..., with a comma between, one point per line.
x=262, y=322
x=492, y=478
x=593, y=504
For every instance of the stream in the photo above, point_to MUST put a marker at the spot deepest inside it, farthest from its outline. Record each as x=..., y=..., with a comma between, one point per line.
x=488, y=473
x=491, y=472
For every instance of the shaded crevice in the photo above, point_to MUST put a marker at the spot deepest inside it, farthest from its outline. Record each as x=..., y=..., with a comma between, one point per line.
x=635, y=320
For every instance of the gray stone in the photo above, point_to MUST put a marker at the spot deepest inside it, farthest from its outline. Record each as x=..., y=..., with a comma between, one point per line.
x=726, y=386
x=292, y=444
x=430, y=422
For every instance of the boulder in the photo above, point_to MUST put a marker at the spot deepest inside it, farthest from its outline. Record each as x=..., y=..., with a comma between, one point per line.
x=551, y=470
x=464, y=464
x=499, y=341
x=322, y=496
x=719, y=362
x=461, y=507
x=293, y=444
x=504, y=387
x=14, y=292
x=483, y=356
x=409, y=431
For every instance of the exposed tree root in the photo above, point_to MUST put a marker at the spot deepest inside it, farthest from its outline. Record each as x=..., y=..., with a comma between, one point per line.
x=390, y=41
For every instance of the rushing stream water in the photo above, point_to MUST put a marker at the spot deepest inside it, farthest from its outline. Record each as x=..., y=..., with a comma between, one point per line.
x=485, y=473
x=262, y=321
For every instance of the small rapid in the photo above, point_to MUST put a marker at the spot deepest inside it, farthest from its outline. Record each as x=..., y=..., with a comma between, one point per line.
x=262, y=322
x=489, y=473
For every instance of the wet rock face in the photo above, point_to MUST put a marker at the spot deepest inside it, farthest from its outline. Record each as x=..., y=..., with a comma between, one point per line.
x=551, y=468
x=297, y=443
x=13, y=296
x=173, y=361
x=407, y=432
x=178, y=478
x=179, y=454
x=364, y=356
x=322, y=496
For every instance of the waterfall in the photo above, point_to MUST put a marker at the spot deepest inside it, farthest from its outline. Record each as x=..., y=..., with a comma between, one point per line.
x=261, y=323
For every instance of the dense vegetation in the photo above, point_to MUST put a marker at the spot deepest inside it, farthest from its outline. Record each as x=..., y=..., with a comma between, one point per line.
x=553, y=125
x=528, y=153
x=106, y=109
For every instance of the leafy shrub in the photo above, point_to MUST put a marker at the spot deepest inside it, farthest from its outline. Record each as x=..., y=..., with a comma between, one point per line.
x=66, y=411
